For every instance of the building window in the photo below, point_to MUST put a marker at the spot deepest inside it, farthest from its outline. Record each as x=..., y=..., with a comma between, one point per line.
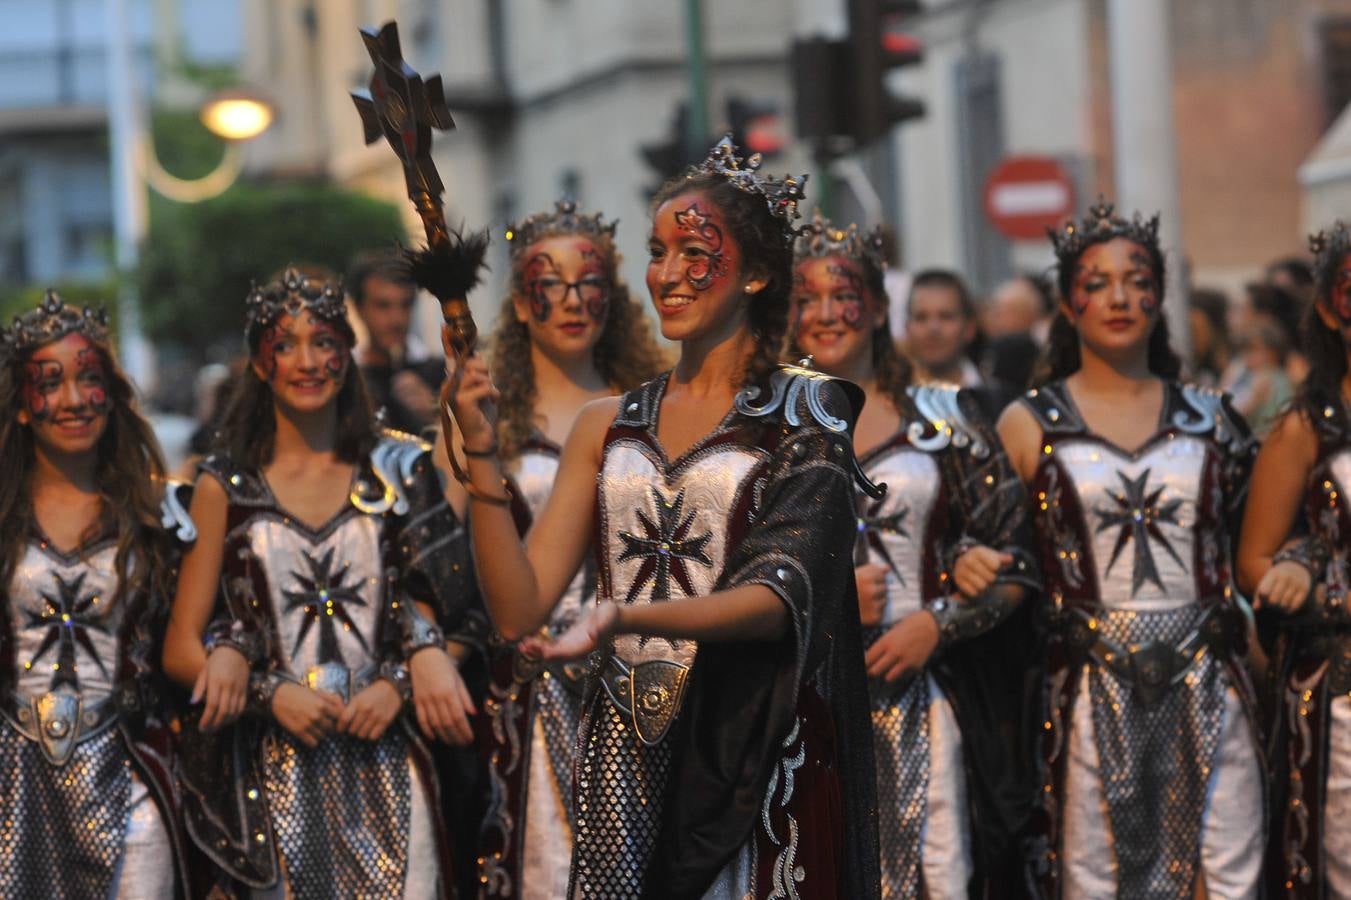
x=1334, y=36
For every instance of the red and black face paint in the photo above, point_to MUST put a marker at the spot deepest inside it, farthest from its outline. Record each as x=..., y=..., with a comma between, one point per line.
x=1144, y=279
x=92, y=380
x=593, y=287
x=707, y=268
x=1341, y=292
x=541, y=274
x=848, y=291
x=334, y=352
x=41, y=382
x=267, y=348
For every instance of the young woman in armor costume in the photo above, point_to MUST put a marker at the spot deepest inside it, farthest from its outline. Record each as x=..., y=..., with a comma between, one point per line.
x=86, y=779
x=1296, y=539
x=568, y=334
x=334, y=552
x=942, y=561
x=1153, y=784
x=724, y=748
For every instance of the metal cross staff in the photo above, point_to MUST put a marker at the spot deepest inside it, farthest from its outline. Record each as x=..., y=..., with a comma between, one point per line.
x=403, y=108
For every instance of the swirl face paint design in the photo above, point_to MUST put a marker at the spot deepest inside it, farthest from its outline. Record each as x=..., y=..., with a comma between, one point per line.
x=706, y=269
x=279, y=342
x=1341, y=292
x=594, y=287
x=834, y=281
x=1133, y=276
x=540, y=269
x=1144, y=279
x=92, y=381
x=41, y=380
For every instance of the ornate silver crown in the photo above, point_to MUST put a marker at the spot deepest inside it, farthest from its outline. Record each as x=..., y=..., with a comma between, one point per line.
x=292, y=294
x=781, y=195
x=820, y=237
x=1102, y=224
x=51, y=321
x=565, y=219
x=1328, y=247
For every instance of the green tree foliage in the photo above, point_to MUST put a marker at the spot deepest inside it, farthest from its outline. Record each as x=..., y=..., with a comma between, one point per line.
x=199, y=260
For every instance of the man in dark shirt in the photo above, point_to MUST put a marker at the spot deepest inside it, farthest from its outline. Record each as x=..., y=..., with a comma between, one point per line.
x=405, y=388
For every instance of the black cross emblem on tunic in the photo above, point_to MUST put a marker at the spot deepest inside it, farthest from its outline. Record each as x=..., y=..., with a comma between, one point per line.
x=69, y=617
x=1138, y=515
x=322, y=597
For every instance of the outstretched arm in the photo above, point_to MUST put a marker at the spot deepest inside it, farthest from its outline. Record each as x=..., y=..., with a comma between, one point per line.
x=521, y=584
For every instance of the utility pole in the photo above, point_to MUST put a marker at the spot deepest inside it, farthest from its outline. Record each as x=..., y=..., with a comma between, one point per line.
x=1144, y=143
x=126, y=142
x=696, y=132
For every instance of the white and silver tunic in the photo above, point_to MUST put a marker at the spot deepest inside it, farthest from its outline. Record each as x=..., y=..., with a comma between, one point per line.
x=1153, y=768
x=81, y=817
x=949, y=487
x=732, y=510
x=526, y=845
x=349, y=817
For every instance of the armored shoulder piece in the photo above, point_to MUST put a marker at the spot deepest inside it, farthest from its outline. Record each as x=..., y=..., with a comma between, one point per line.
x=1205, y=410
x=942, y=421
x=801, y=396
x=243, y=487
x=174, y=510
x=393, y=462
x=1052, y=409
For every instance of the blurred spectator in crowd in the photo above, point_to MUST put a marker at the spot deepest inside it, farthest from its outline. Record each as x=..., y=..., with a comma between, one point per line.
x=211, y=391
x=1265, y=302
x=1211, y=344
x=1292, y=275
x=401, y=376
x=1266, y=390
x=1022, y=305
x=940, y=326
x=1006, y=365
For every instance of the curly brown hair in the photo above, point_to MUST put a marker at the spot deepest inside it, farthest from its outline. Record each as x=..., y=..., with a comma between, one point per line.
x=129, y=474
x=626, y=355
x=892, y=371
x=765, y=241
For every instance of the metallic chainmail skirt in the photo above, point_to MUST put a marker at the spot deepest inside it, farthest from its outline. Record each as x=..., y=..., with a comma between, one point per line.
x=559, y=711
x=341, y=813
x=1156, y=760
x=63, y=828
x=621, y=787
x=900, y=716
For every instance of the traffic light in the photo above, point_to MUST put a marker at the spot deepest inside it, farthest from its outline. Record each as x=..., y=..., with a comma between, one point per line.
x=755, y=125
x=670, y=155
x=841, y=95
x=876, y=48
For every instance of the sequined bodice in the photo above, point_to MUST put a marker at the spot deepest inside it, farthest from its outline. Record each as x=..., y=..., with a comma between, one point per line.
x=325, y=588
x=665, y=528
x=1139, y=517
x=534, y=472
x=65, y=623
x=892, y=530
x=1143, y=531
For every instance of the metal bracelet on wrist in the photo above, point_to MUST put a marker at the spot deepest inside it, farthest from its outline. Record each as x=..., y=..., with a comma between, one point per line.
x=418, y=634
x=396, y=673
x=262, y=688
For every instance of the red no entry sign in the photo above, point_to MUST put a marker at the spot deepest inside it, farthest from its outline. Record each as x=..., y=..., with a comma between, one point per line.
x=1025, y=195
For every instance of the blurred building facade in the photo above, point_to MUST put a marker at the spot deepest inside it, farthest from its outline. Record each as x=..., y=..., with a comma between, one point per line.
x=551, y=97
x=55, y=184
x=1256, y=84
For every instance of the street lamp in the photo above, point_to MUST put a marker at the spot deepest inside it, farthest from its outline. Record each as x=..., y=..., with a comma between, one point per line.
x=237, y=115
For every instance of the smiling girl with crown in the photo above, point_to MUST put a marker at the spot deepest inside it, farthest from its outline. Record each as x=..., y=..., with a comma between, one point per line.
x=569, y=333
x=1153, y=780
x=724, y=748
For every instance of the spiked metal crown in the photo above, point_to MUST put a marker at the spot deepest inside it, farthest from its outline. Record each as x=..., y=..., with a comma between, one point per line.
x=292, y=294
x=565, y=219
x=1102, y=224
x=820, y=238
x=781, y=195
x=51, y=321
x=1330, y=246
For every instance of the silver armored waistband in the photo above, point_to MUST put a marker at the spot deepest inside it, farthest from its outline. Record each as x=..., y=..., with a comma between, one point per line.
x=647, y=694
x=336, y=678
x=59, y=720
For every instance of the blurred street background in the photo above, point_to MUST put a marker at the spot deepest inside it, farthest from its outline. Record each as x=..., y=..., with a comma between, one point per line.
x=964, y=126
